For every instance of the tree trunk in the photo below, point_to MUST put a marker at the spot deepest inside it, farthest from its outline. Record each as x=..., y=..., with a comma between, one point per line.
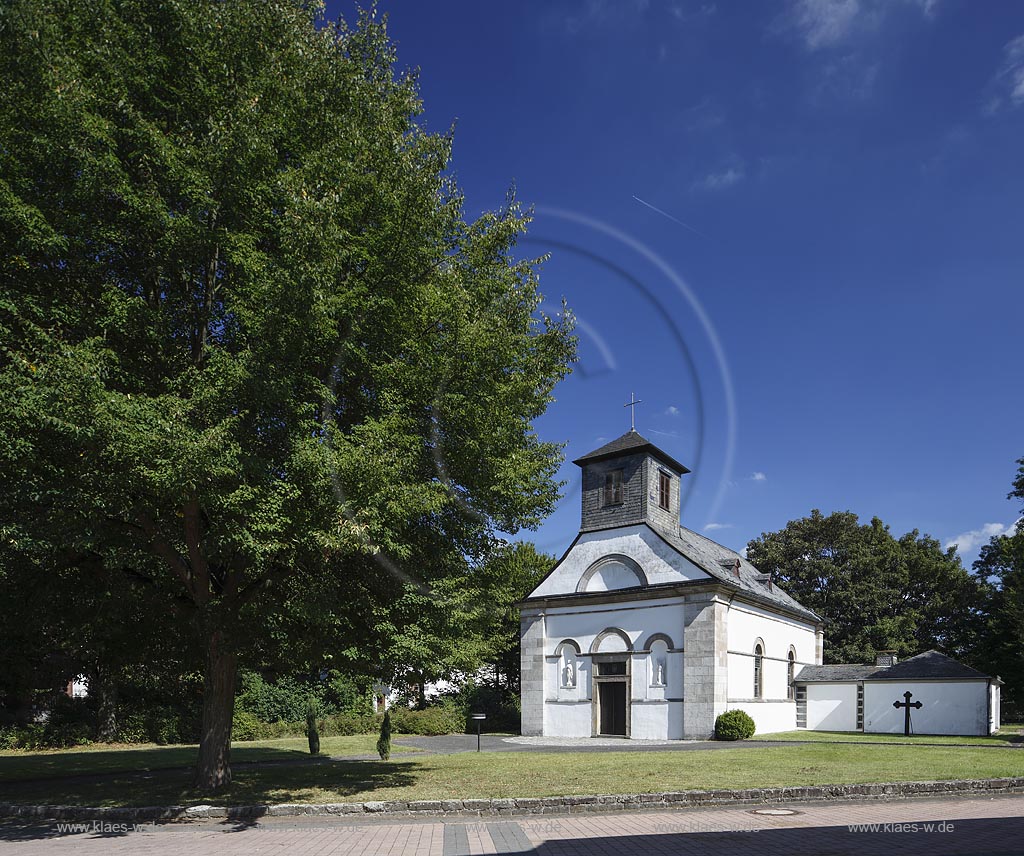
x=213, y=770
x=421, y=686
x=106, y=714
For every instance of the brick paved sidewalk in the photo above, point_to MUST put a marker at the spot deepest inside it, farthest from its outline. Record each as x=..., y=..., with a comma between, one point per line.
x=934, y=827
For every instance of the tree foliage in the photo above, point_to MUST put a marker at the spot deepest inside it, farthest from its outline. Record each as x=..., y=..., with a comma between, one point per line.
x=875, y=591
x=255, y=359
x=508, y=575
x=1002, y=562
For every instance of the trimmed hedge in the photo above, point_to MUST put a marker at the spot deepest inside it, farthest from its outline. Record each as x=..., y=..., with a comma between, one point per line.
x=734, y=725
x=246, y=726
x=439, y=719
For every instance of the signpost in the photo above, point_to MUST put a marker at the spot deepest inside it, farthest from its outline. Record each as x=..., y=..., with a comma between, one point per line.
x=478, y=718
x=907, y=704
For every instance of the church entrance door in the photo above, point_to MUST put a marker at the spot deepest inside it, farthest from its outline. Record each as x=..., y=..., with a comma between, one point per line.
x=611, y=698
x=613, y=708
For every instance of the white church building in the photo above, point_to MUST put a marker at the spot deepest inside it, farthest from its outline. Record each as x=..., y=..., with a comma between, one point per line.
x=645, y=629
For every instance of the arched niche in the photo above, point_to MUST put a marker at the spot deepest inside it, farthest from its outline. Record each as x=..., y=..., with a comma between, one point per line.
x=610, y=573
x=560, y=648
x=568, y=652
x=657, y=659
x=611, y=641
x=658, y=637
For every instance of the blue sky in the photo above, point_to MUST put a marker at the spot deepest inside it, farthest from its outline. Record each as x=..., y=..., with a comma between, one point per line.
x=793, y=229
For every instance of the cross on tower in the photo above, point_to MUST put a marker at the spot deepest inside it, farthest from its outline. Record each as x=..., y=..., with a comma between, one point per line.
x=633, y=402
x=907, y=704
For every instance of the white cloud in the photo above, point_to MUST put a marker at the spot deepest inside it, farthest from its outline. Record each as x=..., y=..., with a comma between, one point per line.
x=663, y=433
x=599, y=15
x=685, y=15
x=711, y=527
x=759, y=476
x=720, y=180
x=927, y=7
x=849, y=76
x=1009, y=81
x=967, y=542
x=672, y=410
x=706, y=115
x=824, y=22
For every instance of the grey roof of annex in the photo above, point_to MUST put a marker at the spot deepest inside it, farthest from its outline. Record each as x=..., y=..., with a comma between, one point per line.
x=931, y=665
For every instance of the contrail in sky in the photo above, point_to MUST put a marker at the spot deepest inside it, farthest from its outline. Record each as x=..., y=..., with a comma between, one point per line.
x=670, y=217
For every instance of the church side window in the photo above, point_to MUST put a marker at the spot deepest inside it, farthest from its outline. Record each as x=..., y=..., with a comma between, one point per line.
x=613, y=487
x=791, y=674
x=664, y=490
x=758, y=671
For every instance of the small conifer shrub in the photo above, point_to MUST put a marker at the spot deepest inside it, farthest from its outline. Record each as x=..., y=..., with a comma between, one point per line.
x=384, y=741
x=312, y=732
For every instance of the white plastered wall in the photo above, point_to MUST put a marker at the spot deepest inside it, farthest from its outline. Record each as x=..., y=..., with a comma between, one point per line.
x=746, y=626
x=769, y=717
x=948, y=707
x=995, y=714
x=832, y=706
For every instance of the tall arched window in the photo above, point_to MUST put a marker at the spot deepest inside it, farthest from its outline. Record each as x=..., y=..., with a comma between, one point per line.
x=791, y=674
x=758, y=671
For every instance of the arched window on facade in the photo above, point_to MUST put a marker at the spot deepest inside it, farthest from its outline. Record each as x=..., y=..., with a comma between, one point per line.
x=758, y=670
x=791, y=674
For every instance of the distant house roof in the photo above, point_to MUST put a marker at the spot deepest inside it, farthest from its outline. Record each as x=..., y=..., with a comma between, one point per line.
x=630, y=443
x=931, y=665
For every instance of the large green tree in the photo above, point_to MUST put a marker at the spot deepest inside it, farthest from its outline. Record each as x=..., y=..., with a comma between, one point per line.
x=876, y=591
x=465, y=621
x=1002, y=562
x=254, y=357
x=508, y=575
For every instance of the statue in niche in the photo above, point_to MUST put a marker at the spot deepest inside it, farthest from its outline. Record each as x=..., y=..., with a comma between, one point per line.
x=659, y=672
x=570, y=672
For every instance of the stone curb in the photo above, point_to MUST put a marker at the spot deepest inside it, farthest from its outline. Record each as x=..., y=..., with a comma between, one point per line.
x=526, y=806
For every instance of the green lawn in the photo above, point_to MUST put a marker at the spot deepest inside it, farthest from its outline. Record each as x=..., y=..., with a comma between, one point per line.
x=1007, y=736
x=534, y=774
x=143, y=757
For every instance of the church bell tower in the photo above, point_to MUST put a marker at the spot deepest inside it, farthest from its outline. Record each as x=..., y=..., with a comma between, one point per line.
x=630, y=481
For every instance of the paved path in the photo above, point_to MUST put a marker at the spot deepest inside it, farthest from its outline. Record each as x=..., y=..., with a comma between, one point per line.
x=992, y=826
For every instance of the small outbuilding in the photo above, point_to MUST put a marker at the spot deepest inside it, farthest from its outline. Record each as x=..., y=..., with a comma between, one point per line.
x=927, y=694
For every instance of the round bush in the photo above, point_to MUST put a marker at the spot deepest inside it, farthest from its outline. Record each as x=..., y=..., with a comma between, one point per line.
x=734, y=725
x=245, y=726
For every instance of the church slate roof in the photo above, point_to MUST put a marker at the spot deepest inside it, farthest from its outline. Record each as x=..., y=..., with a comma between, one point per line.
x=931, y=665
x=627, y=444
x=717, y=561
